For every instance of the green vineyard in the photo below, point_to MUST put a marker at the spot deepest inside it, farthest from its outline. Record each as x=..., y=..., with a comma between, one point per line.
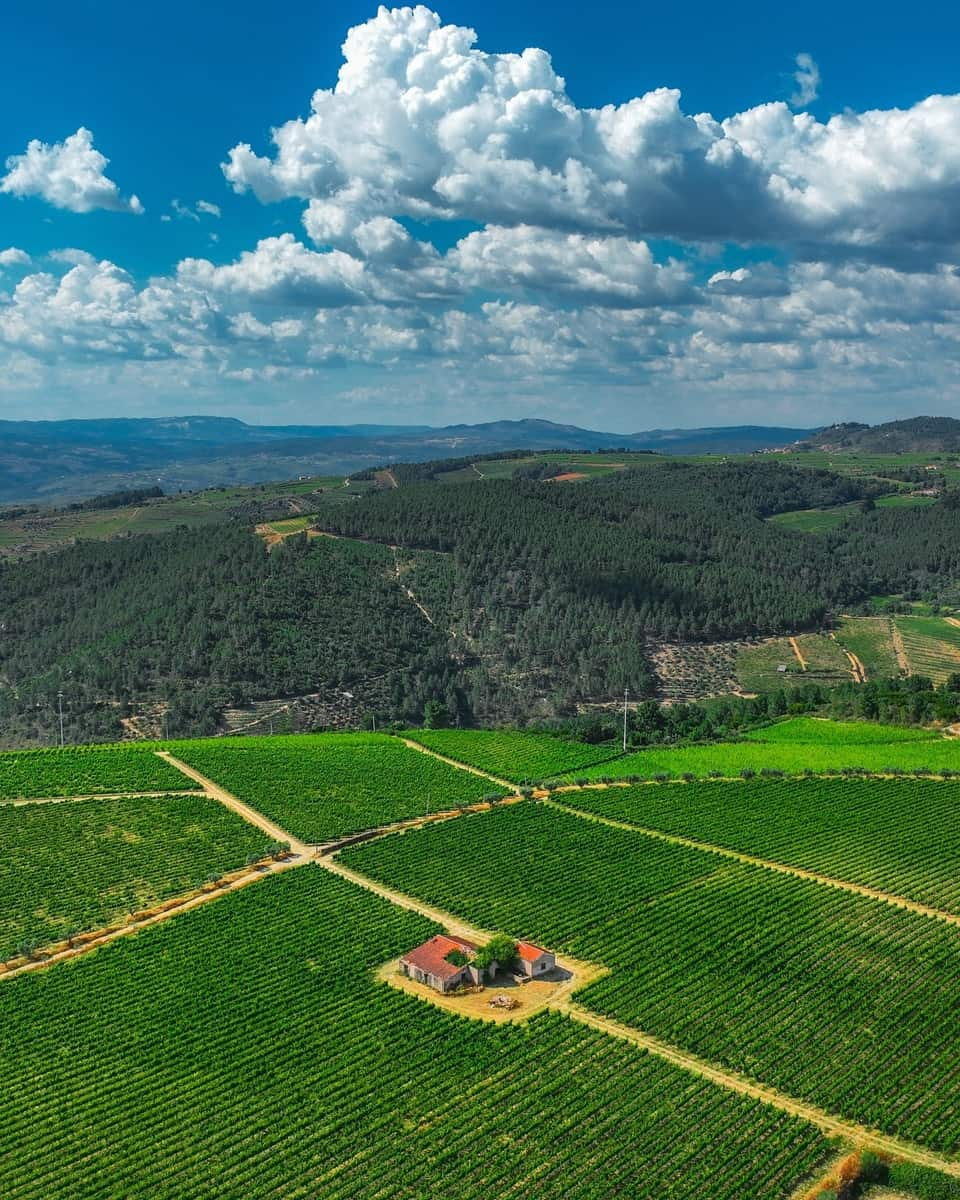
x=245, y=1050
x=520, y=757
x=82, y=771
x=66, y=868
x=896, y=835
x=770, y=975
x=325, y=786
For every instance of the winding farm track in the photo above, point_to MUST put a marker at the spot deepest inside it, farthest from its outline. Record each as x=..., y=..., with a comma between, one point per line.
x=899, y=650
x=797, y=651
x=768, y=864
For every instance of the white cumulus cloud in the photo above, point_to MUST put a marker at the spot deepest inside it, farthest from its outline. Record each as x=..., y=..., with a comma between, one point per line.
x=807, y=79
x=422, y=123
x=67, y=174
x=14, y=257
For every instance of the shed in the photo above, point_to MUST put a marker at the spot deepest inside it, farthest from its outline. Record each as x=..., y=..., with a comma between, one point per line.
x=534, y=960
x=430, y=963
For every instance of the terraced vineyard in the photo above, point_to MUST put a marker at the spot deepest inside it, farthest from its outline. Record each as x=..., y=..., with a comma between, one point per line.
x=520, y=757
x=324, y=786
x=767, y=974
x=83, y=771
x=931, y=644
x=245, y=1049
x=66, y=868
x=837, y=827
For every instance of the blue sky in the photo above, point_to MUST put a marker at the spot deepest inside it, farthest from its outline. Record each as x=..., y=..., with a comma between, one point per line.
x=499, y=250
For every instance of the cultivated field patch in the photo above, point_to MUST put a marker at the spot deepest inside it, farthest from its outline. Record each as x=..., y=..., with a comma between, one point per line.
x=68, y=868
x=324, y=786
x=253, y=1041
x=871, y=640
x=890, y=749
x=895, y=835
x=522, y=757
x=83, y=771
x=767, y=974
x=931, y=645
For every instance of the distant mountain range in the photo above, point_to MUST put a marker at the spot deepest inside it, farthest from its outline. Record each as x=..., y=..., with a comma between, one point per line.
x=55, y=461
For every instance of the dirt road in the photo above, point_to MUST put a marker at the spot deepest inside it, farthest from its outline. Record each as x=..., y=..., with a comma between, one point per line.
x=459, y=765
x=898, y=648
x=856, y=1135
x=797, y=651
x=271, y=828
x=25, y=800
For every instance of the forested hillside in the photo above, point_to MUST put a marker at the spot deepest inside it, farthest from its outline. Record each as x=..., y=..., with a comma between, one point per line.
x=510, y=600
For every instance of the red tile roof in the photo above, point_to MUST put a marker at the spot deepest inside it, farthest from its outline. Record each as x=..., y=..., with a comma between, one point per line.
x=431, y=957
x=529, y=952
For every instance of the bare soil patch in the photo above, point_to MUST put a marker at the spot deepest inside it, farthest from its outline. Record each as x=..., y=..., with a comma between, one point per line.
x=531, y=997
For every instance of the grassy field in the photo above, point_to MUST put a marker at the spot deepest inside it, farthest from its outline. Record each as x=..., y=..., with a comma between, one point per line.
x=838, y=827
x=768, y=974
x=813, y=731
x=931, y=644
x=793, y=747
x=324, y=786
x=822, y=520
x=80, y=865
x=245, y=1049
x=82, y=771
x=521, y=757
x=757, y=666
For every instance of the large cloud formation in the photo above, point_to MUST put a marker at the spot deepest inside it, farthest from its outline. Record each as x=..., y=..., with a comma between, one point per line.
x=558, y=286
x=422, y=123
x=68, y=174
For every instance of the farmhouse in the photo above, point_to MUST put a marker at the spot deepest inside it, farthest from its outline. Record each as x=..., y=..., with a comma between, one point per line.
x=446, y=963
x=431, y=963
x=534, y=960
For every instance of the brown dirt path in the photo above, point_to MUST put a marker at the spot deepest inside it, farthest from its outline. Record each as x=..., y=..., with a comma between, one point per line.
x=797, y=651
x=22, y=801
x=752, y=860
x=856, y=1135
x=857, y=667
x=899, y=649
x=300, y=849
x=954, y=621
x=459, y=765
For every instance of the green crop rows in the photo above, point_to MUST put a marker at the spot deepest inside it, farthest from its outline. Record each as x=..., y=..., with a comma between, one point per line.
x=897, y=835
x=82, y=864
x=794, y=747
x=244, y=1049
x=847, y=1002
x=521, y=757
x=83, y=772
x=323, y=786
x=811, y=731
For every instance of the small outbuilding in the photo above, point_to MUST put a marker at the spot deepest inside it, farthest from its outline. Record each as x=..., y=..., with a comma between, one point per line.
x=533, y=960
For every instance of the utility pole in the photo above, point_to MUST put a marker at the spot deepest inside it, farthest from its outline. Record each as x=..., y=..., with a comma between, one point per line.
x=60, y=706
x=626, y=693
x=374, y=715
